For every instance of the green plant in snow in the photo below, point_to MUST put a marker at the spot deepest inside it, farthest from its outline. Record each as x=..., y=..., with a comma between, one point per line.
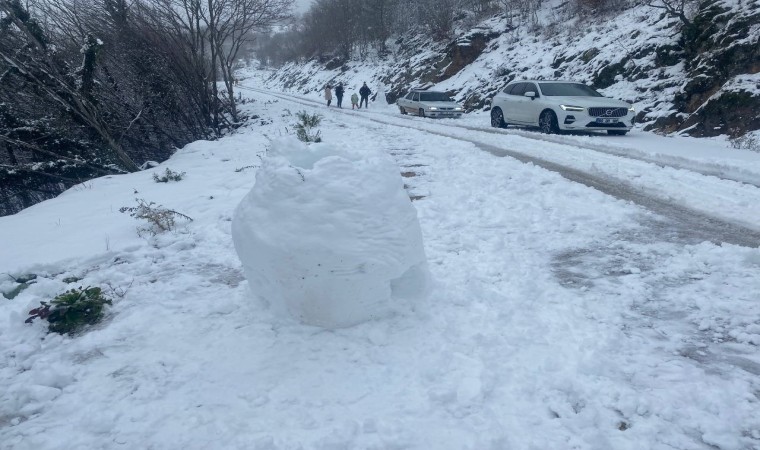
x=169, y=175
x=305, y=128
x=71, y=311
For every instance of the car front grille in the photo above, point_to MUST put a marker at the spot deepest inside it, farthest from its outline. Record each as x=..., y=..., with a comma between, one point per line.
x=606, y=125
x=608, y=112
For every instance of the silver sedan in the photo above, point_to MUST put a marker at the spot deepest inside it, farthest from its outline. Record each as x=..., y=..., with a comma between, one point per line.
x=429, y=104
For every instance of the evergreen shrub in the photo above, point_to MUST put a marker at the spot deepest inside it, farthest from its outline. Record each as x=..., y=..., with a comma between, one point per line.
x=305, y=128
x=71, y=311
x=169, y=175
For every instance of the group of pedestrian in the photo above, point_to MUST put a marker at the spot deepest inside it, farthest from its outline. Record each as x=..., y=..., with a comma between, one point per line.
x=364, y=92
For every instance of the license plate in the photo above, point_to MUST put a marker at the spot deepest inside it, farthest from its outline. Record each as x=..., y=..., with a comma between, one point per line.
x=603, y=120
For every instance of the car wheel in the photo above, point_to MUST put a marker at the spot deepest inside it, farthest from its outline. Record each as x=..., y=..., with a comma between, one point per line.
x=497, y=118
x=617, y=132
x=403, y=111
x=422, y=112
x=547, y=121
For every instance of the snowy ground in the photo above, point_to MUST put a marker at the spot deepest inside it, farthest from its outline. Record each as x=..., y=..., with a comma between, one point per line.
x=560, y=317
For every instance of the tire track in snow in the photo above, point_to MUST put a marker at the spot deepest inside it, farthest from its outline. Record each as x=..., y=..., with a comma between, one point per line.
x=661, y=161
x=690, y=225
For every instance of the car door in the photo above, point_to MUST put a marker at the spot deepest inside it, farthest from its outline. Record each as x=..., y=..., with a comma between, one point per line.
x=502, y=100
x=405, y=102
x=514, y=103
x=414, y=104
x=531, y=107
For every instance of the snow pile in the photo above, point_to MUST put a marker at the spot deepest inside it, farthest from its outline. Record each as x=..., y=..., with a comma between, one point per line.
x=328, y=235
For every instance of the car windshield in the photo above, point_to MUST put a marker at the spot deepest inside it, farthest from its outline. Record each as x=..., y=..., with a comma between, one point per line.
x=434, y=97
x=568, y=90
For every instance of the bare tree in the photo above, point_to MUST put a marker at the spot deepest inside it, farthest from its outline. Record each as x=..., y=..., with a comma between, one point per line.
x=184, y=25
x=680, y=9
x=232, y=24
x=89, y=87
x=379, y=14
x=439, y=16
x=40, y=68
x=522, y=10
x=214, y=31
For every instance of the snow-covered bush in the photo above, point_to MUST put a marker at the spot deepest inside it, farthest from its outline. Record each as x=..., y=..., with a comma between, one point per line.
x=329, y=236
x=159, y=219
x=749, y=141
x=168, y=175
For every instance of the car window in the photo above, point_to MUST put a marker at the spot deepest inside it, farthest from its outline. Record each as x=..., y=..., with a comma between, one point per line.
x=531, y=87
x=416, y=97
x=568, y=90
x=409, y=96
x=434, y=97
x=509, y=88
x=519, y=89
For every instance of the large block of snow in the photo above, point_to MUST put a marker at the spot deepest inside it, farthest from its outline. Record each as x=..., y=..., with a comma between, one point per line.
x=329, y=236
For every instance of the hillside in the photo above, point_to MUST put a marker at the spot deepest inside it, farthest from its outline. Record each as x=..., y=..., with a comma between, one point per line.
x=700, y=78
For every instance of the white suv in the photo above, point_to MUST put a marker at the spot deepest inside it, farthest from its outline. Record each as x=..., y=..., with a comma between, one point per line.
x=559, y=105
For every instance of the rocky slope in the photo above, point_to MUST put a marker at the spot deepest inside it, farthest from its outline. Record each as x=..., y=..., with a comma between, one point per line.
x=700, y=77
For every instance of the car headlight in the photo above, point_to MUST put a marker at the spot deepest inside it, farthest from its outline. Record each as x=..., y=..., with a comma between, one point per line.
x=572, y=108
x=433, y=108
x=458, y=108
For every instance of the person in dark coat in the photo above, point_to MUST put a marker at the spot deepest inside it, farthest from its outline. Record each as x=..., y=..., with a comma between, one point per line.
x=364, y=93
x=339, y=94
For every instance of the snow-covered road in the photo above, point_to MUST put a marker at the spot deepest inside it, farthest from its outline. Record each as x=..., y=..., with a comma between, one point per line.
x=561, y=317
x=696, y=155
x=708, y=198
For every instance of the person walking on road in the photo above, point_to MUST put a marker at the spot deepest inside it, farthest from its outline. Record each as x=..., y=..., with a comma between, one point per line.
x=354, y=101
x=339, y=94
x=364, y=92
x=328, y=95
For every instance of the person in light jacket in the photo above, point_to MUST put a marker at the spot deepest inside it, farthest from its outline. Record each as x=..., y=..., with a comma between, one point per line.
x=328, y=95
x=354, y=101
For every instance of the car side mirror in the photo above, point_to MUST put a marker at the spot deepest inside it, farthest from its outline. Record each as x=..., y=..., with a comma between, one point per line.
x=530, y=94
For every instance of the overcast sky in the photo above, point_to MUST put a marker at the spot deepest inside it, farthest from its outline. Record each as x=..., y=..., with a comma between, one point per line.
x=301, y=5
